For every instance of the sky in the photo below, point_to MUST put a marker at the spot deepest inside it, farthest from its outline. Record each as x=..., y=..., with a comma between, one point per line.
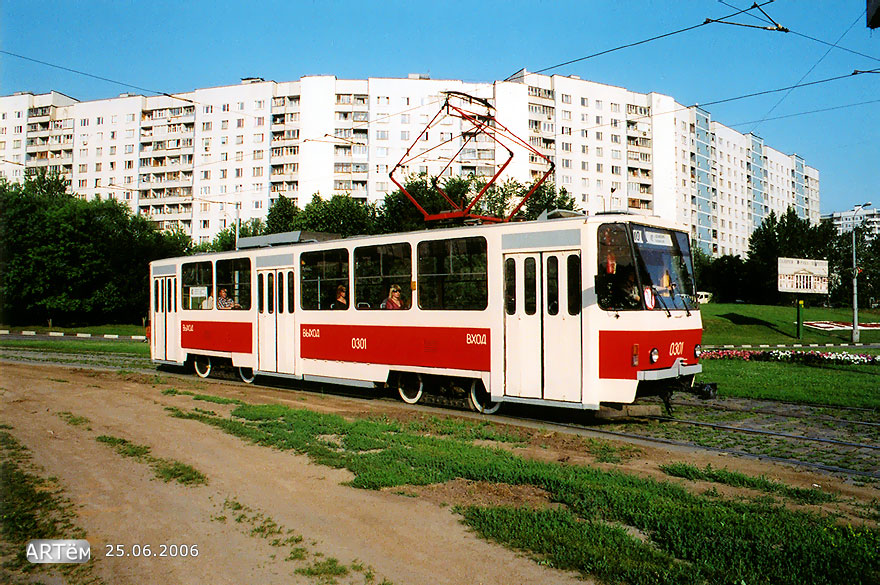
x=174, y=46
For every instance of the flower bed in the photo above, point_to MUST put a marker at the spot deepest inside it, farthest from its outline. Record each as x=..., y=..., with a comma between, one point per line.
x=800, y=357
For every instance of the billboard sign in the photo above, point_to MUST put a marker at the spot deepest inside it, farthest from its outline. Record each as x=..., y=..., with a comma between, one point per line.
x=798, y=275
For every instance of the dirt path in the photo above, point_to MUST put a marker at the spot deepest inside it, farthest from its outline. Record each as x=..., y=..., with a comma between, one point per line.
x=401, y=539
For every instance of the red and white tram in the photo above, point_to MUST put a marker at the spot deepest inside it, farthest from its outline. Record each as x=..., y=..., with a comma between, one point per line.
x=571, y=312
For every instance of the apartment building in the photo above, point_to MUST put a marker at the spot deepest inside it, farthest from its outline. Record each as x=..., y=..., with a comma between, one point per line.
x=846, y=221
x=200, y=160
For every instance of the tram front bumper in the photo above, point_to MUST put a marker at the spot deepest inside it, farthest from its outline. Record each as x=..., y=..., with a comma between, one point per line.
x=678, y=370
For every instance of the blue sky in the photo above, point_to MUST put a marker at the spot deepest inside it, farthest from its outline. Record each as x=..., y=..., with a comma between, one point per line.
x=179, y=46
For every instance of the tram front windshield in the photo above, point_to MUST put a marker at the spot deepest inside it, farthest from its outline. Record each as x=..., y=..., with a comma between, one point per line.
x=665, y=266
x=642, y=267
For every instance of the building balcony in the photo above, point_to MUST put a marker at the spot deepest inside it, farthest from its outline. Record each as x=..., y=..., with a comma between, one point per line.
x=165, y=184
x=164, y=197
x=285, y=159
x=283, y=177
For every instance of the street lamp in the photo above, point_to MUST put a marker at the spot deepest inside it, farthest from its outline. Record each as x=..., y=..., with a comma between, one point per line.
x=855, y=330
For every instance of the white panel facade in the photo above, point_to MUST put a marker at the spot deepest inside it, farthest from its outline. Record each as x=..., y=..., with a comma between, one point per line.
x=200, y=160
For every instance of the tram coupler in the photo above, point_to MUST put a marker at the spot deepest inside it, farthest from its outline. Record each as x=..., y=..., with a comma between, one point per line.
x=707, y=391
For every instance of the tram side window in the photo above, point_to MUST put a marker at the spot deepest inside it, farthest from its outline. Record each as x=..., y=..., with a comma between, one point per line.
x=156, y=296
x=510, y=286
x=280, y=292
x=323, y=275
x=531, y=289
x=552, y=285
x=617, y=285
x=198, y=285
x=235, y=276
x=453, y=274
x=290, y=282
x=376, y=270
x=574, y=284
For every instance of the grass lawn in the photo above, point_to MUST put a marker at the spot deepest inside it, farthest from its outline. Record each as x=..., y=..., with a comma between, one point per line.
x=836, y=385
x=93, y=329
x=135, y=348
x=740, y=324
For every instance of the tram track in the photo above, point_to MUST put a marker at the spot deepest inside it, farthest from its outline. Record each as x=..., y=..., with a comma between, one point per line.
x=453, y=406
x=791, y=414
x=595, y=431
x=763, y=432
x=744, y=454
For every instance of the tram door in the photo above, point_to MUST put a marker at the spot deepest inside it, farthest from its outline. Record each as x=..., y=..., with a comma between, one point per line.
x=267, y=323
x=164, y=323
x=285, y=322
x=157, y=323
x=523, y=367
x=542, y=325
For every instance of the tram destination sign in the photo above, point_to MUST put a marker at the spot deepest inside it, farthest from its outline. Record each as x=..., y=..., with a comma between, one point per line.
x=798, y=275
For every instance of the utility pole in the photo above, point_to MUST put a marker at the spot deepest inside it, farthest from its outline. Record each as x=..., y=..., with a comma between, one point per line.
x=855, y=269
x=237, y=222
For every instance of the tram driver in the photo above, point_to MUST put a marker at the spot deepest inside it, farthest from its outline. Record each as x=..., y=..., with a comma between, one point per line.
x=225, y=302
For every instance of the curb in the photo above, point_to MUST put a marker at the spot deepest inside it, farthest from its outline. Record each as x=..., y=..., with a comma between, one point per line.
x=783, y=346
x=80, y=335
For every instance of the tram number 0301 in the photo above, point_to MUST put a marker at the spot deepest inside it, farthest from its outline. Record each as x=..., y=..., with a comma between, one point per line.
x=359, y=343
x=676, y=348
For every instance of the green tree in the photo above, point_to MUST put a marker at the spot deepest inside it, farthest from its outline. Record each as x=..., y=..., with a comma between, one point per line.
x=398, y=214
x=225, y=240
x=788, y=236
x=725, y=278
x=841, y=268
x=73, y=261
x=341, y=214
x=282, y=216
x=546, y=198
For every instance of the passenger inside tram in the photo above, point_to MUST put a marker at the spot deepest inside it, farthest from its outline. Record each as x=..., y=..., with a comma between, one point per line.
x=394, y=300
x=341, y=302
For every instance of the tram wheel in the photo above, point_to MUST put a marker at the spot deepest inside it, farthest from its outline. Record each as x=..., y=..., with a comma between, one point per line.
x=202, y=366
x=247, y=375
x=410, y=388
x=480, y=401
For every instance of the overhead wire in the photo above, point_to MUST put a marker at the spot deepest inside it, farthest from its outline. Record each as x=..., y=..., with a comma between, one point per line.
x=797, y=114
x=806, y=36
x=805, y=75
x=644, y=41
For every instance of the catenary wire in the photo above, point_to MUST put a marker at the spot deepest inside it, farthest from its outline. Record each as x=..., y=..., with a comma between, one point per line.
x=805, y=75
x=796, y=114
x=644, y=41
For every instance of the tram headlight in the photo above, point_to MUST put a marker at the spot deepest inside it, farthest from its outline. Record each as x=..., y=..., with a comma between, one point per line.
x=655, y=355
x=698, y=351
